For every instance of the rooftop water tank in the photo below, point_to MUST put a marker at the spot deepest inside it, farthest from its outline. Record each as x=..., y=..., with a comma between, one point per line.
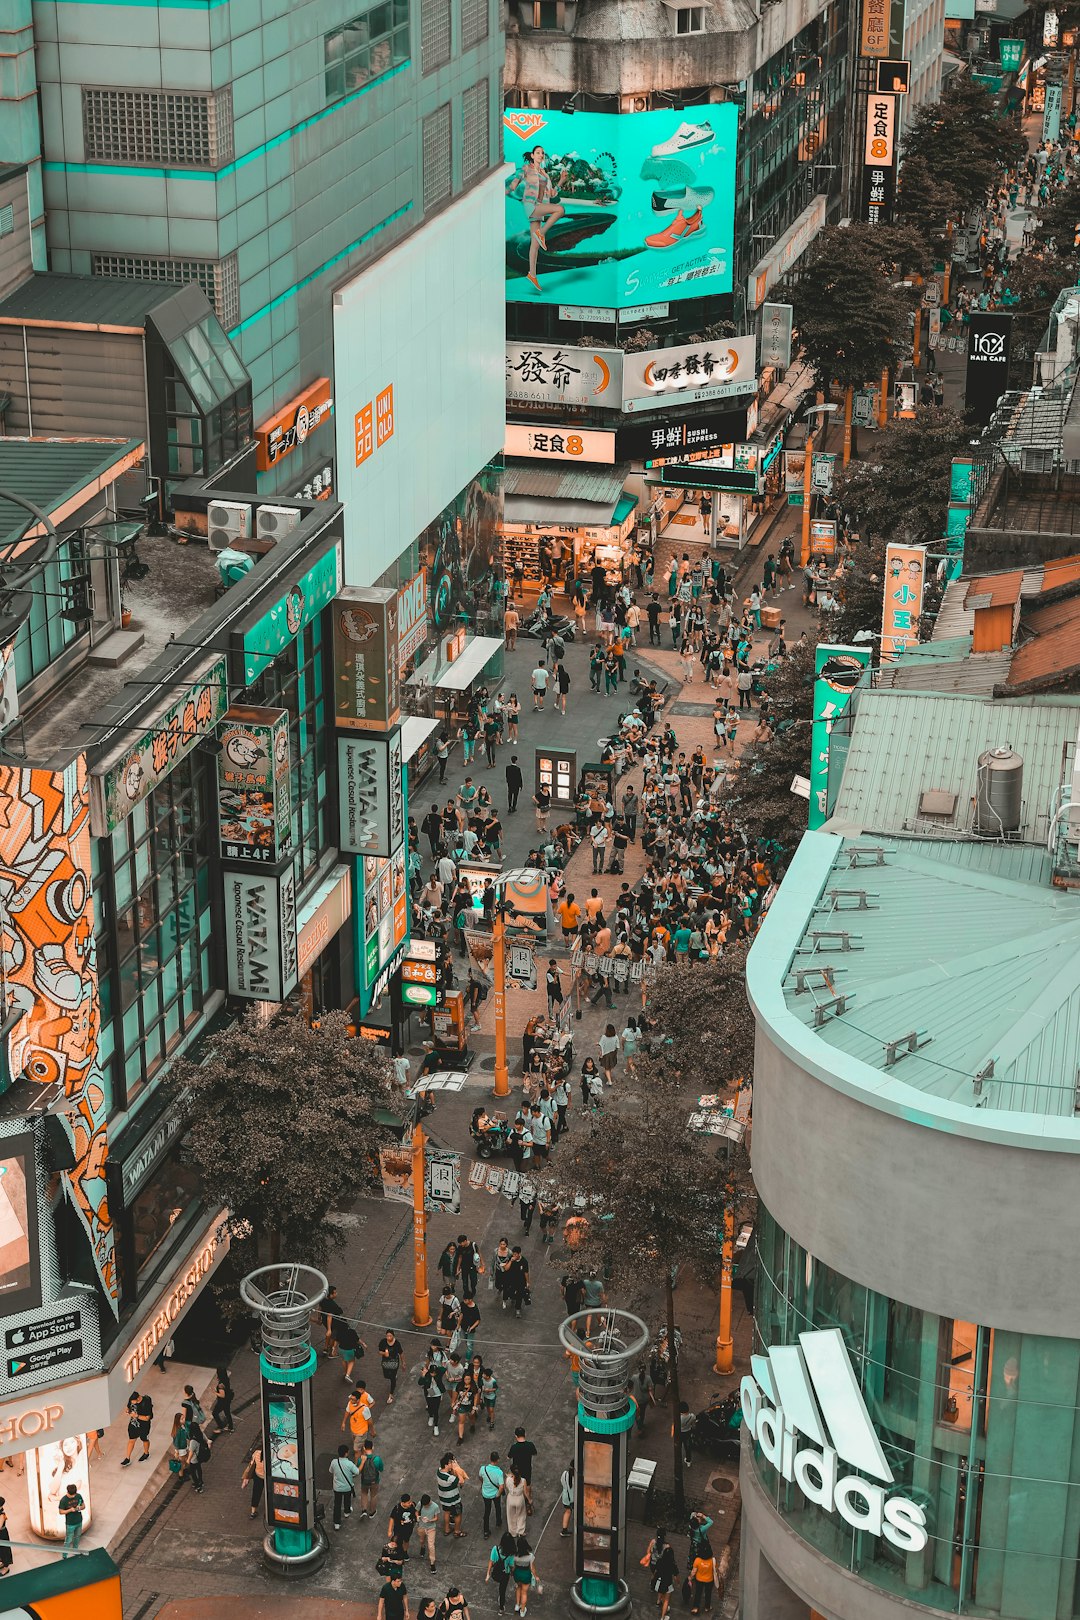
x=999, y=782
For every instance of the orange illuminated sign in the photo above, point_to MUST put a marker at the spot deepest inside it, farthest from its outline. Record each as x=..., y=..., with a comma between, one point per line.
x=365, y=443
x=281, y=433
x=384, y=416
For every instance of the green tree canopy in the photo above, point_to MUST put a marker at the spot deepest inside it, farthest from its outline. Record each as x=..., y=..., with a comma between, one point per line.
x=850, y=308
x=1058, y=221
x=759, y=792
x=281, y=1126
x=962, y=142
x=901, y=489
x=706, y=1015
x=1036, y=279
x=925, y=202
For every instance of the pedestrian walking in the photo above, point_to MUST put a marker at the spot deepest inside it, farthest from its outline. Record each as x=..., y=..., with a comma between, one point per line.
x=703, y=1580
x=522, y=1454
x=686, y=1432
x=255, y=1475
x=140, y=1410
x=526, y=1203
x=427, y=1523
x=609, y=1052
x=470, y=1323
x=350, y=1344
x=393, y=1599
x=553, y=986
x=562, y=688
x=542, y=801
x=454, y=1605
x=492, y=1480
x=566, y=1490
x=198, y=1452
x=343, y=1476
x=468, y=1265
x=660, y=1561
x=516, y=1285
x=402, y=1521
x=489, y=1394
x=525, y=1575
x=223, y=1399
x=514, y=783
x=511, y=620
x=72, y=1506
x=599, y=838
x=433, y=1387
x=500, y=1566
x=357, y=1418
x=540, y=679
x=371, y=1467
x=449, y=1478
x=442, y=754
x=5, y=1541
x=518, y=1500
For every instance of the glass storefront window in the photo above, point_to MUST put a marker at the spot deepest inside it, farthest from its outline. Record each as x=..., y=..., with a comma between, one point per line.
x=171, y=1198
x=980, y=1429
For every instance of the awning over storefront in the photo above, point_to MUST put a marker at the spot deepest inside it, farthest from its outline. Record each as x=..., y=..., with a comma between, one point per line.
x=581, y=496
x=414, y=733
x=465, y=668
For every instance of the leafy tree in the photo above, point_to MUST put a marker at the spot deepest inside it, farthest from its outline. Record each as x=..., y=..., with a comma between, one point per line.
x=962, y=142
x=759, y=789
x=863, y=593
x=707, y=1015
x=901, y=491
x=851, y=314
x=1036, y=280
x=281, y=1126
x=925, y=202
x=657, y=1192
x=1056, y=227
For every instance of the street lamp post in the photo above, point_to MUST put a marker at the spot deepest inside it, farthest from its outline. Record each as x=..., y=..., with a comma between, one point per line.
x=808, y=473
x=421, y=1295
x=498, y=966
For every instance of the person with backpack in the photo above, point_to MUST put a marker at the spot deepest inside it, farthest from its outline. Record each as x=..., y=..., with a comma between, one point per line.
x=371, y=1467
x=492, y=1480
x=198, y=1452
x=343, y=1476
x=501, y=1565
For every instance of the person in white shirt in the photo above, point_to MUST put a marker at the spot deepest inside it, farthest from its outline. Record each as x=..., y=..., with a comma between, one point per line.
x=540, y=678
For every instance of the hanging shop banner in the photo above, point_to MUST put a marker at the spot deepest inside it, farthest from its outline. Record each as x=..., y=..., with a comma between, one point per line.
x=367, y=658
x=988, y=346
x=303, y=601
x=550, y=374
x=118, y=786
x=837, y=670
x=680, y=438
x=776, y=329
x=381, y=916
x=521, y=967
x=875, y=28
x=553, y=443
x=260, y=933
x=254, y=805
x=629, y=209
x=288, y=428
x=480, y=949
x=864, y=408
x=527, y=900
x=878, y=194
x=821, y=472
x=1011, y=53
x=880, y=147
x=442, y=1181
x=691, y=372
x=370, y=795
x=288, y=1454
x=395, y=1166
x=1052, y=111
x=905, y=568
x=414, y=618
x=794, y=472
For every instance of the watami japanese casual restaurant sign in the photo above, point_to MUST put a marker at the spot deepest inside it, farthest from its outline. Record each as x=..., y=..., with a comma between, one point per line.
x=289, y=427
x=125, y=781
x=553, y=374
x=905, y=570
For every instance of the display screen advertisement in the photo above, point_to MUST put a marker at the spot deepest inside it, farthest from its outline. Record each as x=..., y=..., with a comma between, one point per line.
x=620, y=209
x=20, y=1271
x=287, y=1448
x=551, y=374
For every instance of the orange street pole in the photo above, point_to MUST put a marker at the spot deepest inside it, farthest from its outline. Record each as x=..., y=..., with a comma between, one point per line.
x=883, y=400
x=498, y=941
x=916, y=347
x=946, y=282
x=725, y=1344
x=849, y=400
x=808, y=472
x=421, y=1298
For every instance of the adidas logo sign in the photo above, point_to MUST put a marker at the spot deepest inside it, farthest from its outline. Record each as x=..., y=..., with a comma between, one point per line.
x=810, y=1390
x=524, y=124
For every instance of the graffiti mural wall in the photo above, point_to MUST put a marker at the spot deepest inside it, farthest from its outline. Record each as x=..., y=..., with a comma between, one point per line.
x=47, y=956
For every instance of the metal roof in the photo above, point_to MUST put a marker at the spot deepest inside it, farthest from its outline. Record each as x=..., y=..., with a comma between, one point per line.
x=986, y=965
x=946, y=666
x=904, y=743
x=52, y=473
x=93, y=300
x=954, y=616
x=597, y=486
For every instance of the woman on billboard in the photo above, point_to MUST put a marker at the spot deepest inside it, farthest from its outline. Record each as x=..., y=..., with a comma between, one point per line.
x=538, y=198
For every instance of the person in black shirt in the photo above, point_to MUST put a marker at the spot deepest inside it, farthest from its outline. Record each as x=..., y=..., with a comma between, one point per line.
x=652, y=612
x=517, y=1279
x=402, y=1521
x=392, y=1356
x=521, y=1454
x=514, y=783
x=393, y=1600
x=573, y=1293
x=432, y=827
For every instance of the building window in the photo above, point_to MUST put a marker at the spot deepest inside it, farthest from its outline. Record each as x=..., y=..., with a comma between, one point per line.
x=545, y=13
x=475, y=140
x=218, y=278
x=7, y=219
x=46, y=633
x=366, y=48
x=438, y=157
x=434, y=34
x=171, y=1195
x=474, y=22
x=185, y=129
x=296, y=681
x=690, y=20
x=152, y=913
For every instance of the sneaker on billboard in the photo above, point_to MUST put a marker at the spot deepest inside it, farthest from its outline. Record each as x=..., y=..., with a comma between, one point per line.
x=684, y=138
x=680, y=228
x=686, y=197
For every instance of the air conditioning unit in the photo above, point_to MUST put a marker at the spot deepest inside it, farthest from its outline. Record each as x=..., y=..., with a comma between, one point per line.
x=274, y=522
x=632, y=104
x=227, y=522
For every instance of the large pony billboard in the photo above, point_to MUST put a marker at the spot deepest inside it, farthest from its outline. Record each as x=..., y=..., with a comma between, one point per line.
x=616, y=210
x=50, y=975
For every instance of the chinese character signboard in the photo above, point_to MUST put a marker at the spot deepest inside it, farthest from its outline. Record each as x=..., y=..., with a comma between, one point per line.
x=254, y=808
x=905, y=567
x=989, y=338
x=776, y=327
x=879, y=159
x=367, y=658
x=1011, y=52
x=680, y=438
x=1052, y=111
x=319, y=485
x=875, y=27
x=560, y=444
x=283, y=623
x=836, y=674
x=646, y=205
x=288, y=428
x=821, y=472
x=547, y=373
x=127, y=780
x=698, y=371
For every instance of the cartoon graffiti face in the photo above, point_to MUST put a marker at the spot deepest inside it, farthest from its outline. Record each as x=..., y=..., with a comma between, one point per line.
x=281, y=746
x=294, y=610
x=133, y=779
x=243, y=750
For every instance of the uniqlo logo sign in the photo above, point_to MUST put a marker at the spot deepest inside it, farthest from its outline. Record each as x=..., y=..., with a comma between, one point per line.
x=384, y=416
x=364, y=441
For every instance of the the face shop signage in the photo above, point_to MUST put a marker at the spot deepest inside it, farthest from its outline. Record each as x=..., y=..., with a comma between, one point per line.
x=260, y=933
x=371, y=802
x=809, y=1393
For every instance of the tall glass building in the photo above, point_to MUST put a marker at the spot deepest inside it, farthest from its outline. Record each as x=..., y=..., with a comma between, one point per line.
x=916, y=1143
